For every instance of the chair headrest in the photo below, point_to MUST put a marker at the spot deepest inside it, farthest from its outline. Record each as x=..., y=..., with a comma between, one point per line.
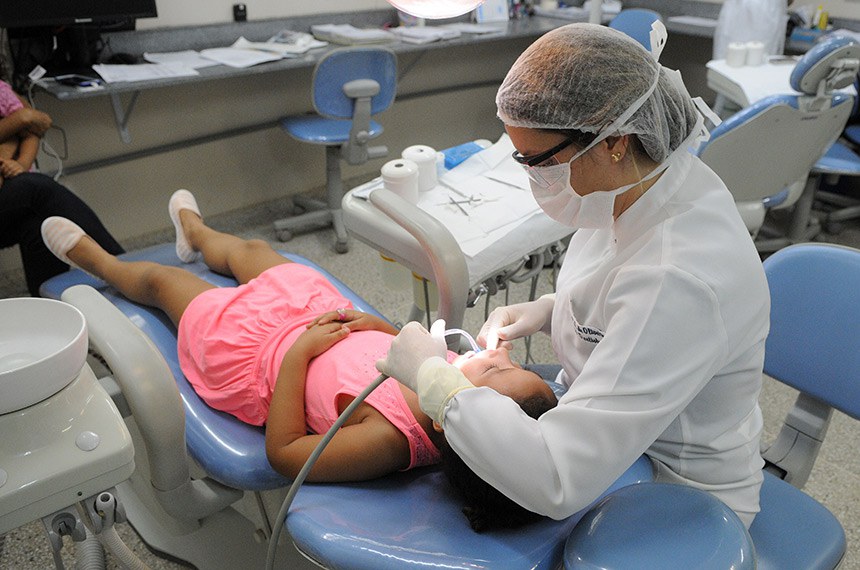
x=835, y=61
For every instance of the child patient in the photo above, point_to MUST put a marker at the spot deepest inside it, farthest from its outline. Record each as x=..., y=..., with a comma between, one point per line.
x=286, y=350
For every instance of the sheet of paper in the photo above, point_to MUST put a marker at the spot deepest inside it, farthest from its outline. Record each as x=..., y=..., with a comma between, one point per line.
x=238, y=57
x=143, y=71
x=190, y=57
x=348, y=34
x=283, y=50
x=468, y=28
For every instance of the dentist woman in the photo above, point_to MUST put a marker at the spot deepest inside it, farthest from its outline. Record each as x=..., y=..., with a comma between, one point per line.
x=661, y=309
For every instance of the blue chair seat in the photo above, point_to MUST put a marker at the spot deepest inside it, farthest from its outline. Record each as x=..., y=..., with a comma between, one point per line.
x=320, y=130
x=839, y=159
x=793, y=530
x=852, y=133
x=659, y=525
x=422, y=526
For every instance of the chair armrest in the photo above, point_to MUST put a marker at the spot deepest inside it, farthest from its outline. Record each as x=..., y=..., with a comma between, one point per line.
x=153, y=397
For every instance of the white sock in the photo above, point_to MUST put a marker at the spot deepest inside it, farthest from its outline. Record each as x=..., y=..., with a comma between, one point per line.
x=60, y=235
x=182, y=200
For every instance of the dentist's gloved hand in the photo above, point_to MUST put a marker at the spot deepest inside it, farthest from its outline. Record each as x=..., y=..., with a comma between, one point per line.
x=410, y=348
x=516, y=321
x=438, y=383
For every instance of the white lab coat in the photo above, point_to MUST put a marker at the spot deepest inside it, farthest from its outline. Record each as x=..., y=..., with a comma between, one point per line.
x=660, y=325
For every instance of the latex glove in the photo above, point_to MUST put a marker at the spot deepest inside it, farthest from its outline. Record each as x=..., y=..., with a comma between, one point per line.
x=516, y=321
x=410, y=348
x=438, y=382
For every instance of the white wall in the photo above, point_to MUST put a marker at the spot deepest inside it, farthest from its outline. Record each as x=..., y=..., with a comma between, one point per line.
x=172, y=13
x=192, y=12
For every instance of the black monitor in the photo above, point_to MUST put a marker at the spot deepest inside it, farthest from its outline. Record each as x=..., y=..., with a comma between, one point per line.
x=65, y=36
x=33, y=13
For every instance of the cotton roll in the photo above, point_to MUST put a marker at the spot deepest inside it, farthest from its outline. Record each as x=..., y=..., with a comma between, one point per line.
x=401, y=177
x=426, y=159
x=755, y=53
x=736, y=54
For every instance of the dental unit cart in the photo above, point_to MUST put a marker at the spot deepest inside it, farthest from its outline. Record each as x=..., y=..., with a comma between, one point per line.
x=64, y=441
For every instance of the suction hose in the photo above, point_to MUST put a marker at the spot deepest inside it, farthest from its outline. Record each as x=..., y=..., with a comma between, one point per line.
x=300, y=478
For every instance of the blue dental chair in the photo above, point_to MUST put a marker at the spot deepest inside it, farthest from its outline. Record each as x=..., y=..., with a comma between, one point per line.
x=201, y=475
x=766, y=149
x=841, y=160
x=350, y=85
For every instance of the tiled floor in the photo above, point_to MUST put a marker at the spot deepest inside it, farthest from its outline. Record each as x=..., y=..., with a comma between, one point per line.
x=835, y=480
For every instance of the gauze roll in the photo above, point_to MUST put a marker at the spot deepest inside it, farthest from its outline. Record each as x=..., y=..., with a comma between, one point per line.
x=401, y=177
x=755, y=53
x=736, y=54
x=426, y=158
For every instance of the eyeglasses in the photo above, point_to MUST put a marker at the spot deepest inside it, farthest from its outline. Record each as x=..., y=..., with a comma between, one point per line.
x=537, y=159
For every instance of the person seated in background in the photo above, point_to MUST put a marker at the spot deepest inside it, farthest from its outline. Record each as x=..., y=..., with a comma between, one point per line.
x=27, y=198
x=285, y=349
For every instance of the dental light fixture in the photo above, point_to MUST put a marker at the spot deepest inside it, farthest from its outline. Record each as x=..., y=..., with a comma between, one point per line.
x=435, y=9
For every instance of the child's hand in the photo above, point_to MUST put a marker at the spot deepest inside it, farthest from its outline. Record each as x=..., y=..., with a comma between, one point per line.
x=354, y=320
x=10, y=168
x=319, y=338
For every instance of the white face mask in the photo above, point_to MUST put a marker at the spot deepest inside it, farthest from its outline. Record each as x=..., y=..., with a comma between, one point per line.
x=563, y=204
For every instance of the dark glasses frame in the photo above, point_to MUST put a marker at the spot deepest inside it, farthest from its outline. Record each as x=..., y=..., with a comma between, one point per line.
x=536, y=159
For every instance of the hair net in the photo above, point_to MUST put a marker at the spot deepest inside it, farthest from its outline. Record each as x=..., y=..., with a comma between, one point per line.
x=584, y=77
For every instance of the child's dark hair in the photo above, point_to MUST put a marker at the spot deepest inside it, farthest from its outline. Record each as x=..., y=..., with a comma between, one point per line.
x=487, y=508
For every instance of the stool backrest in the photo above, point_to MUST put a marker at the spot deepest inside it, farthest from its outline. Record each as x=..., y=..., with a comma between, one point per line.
x=813, y=344
x=341, y=66
x=636, y=23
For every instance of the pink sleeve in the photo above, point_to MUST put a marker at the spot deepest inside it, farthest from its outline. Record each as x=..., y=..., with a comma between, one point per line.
x=9, y=102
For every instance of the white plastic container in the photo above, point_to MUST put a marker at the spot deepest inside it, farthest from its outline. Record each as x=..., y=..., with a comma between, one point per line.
x=43, y=346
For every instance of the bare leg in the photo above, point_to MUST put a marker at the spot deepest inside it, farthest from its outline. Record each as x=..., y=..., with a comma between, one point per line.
x=170, y=289
x=228, y=254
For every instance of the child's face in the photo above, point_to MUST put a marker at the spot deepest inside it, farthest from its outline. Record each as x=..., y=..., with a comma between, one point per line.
x=496, y=370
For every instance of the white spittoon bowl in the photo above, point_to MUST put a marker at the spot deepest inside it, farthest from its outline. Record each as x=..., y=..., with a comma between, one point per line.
x=43, y=347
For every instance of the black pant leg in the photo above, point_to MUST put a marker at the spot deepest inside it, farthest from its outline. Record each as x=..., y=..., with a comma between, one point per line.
x=25, y=201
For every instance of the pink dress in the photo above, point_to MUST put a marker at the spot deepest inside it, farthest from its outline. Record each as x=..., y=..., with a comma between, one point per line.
x=232, y=340
x=9, y=102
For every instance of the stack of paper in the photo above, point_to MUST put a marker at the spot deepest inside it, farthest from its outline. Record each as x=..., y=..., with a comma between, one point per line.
x=350, y=35
x=283, y=49
x=143, y=71
x=424, y=34
x=191, y=58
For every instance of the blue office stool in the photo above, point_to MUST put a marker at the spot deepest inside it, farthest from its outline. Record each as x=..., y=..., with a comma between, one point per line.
x=349, y=86
x=659, y=525
x=636, y=23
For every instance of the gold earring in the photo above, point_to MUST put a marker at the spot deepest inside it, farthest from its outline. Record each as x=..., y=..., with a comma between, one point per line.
x=616, y=156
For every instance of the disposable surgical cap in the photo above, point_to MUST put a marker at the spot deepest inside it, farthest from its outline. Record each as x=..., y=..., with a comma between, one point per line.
x=584, y=76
